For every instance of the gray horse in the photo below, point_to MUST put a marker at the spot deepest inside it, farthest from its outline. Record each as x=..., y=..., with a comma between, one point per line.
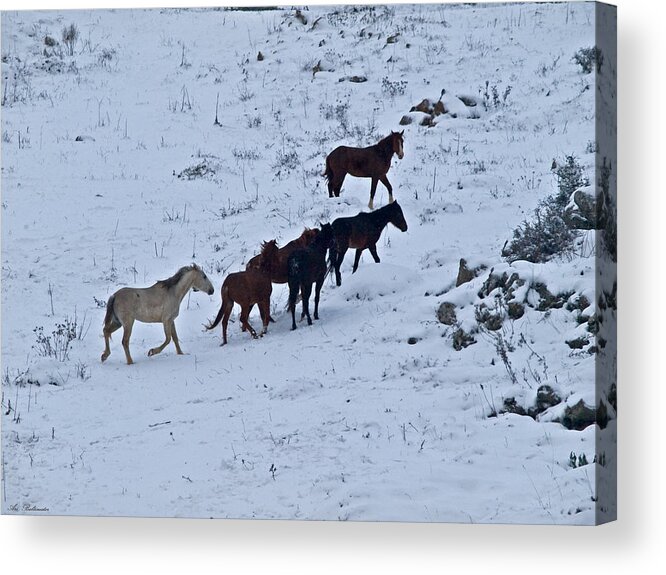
x=159, y=303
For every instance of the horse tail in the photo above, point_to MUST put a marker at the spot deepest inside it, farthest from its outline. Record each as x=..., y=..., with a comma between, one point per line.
x=328, y=173
x=218, y=318
x=110, y=317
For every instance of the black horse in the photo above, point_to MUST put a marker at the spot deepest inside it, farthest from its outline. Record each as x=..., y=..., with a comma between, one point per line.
x=371, y=162
x=360, y=232
x=306, y=266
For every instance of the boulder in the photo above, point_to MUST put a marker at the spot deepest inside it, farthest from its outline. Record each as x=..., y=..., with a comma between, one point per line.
x=446, y=313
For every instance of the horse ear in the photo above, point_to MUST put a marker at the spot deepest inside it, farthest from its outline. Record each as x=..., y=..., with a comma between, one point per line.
x=401, y=133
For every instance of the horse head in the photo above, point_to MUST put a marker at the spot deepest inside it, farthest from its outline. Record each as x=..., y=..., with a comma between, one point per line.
x=397, y=217
x=201, y=281
x=398, y=141
x=269, y=256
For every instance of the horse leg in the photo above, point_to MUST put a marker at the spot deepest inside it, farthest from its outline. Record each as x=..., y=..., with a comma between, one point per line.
x=245, y=314
x=320, y=282
x=357, y=258
x=248, y=314
x=337, y=186
x=338, y=263
x=265, y=313
x=306, y=290
x=127, y=332
x=107, y=337
x=293, y=294
x=373, y=252
x=389, y=187
x=330, y=185
x=167, y=339
x=174, y=336
x=228, y=308
x=373, y=189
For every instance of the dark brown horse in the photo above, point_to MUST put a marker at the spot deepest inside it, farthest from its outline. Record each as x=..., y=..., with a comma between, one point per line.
x=247, y=288
x=279, y=269
x=360, y=232
x=371, y=162
x=308, y=266
x=279, y=266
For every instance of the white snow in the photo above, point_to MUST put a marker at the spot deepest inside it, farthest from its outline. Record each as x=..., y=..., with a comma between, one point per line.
x=345, y=419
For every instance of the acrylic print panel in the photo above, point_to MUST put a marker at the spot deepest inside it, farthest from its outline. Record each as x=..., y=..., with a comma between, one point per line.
x=468, y=376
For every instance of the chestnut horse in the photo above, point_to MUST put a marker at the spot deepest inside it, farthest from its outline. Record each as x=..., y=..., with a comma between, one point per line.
x=371, y=162
x=279, y=266
x=362, y=231
x=253, y=286
x=279, y=269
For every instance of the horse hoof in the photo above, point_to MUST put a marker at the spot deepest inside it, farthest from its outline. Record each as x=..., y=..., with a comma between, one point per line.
x=293, y=327
x=104, y=356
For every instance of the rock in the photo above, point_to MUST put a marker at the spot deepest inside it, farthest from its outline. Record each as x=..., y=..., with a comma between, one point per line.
x=581, y=213
x=466, y=274
x=491, y=321
x=469, y=101
x=461, y=339
x=301, y=17
x=548, y=300
x=353, y=79
x=515, y=310
x=424, y=106
x=412, y=340
x=546, y=398
x=512, y=406
x=579, y=416
x=405, y=120
x=438, y=109
x=446, y=313
x=260, y=56
x=578, y=343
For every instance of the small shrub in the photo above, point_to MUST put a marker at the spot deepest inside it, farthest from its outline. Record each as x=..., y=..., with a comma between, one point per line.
x=58, y=343
x=569, y=179
x=70, y=35
x=549, y=232
x=587, y=58
x=546, y=235
x=393, y=89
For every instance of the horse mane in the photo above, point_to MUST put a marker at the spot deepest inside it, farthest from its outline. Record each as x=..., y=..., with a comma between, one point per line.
x=385, y=146
x=269, y=251
x=175, y=278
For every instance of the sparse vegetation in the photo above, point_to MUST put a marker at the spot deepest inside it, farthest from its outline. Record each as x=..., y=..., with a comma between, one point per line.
x=56, y=345
x=588, y=59
x=548, y=233
x=70, y=34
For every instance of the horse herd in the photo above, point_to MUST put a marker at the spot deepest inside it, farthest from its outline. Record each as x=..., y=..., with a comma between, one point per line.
x=301, y=263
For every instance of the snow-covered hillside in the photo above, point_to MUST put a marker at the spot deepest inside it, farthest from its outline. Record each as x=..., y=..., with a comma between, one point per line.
x=167, y=137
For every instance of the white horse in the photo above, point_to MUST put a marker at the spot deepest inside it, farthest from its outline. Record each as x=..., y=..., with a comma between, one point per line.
x=159, y=303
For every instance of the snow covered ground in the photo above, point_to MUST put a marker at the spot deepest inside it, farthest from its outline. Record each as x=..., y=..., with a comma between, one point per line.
x=114, y=173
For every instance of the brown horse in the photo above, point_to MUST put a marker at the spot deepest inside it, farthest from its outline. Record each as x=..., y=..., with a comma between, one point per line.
x=308, y=266
x=371, y=162
x=253, y=286
x=157, y=304
x=279, y=268
x=362, y=231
